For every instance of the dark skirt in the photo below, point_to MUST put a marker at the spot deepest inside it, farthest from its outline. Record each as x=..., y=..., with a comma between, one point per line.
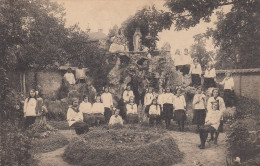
x=199, y=116
x=146, y=109
x=99, y=117
x=179, y=115
x=167, y=111
x=195, y=80
x=132, y=118
x=80, y=127
x=209, y=83
x=186, y=69
x=153, y=118
x=88, y=118
x=29, y=120
x=179, y=68
x=107, y=114
x=229, y=97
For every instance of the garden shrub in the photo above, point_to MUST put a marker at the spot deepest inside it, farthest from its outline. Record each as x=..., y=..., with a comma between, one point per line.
x=123, y=146
x=240, y=144
x=15, y=146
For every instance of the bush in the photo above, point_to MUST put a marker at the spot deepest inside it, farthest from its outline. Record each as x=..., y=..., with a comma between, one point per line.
x=15, y=146
x=240, y=144
x=123, y=146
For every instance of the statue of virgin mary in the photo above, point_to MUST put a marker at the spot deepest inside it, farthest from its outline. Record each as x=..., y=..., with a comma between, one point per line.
x=137, y=40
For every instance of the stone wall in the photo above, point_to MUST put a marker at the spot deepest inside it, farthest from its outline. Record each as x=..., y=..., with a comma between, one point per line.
x=50, y=83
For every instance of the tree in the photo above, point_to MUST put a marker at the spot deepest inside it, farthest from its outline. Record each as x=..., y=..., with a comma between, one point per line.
x=32, y=33
x=198, y=49
x=236, y=33
x=150, y=21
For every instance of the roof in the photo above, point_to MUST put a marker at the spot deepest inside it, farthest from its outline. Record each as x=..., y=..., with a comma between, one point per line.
x=254, y=70
x=97, y=36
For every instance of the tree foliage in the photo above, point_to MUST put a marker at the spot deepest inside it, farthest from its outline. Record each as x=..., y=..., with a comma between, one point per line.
x=150, y=21
x=236, y=32
x=198, y=49
x=33, y=33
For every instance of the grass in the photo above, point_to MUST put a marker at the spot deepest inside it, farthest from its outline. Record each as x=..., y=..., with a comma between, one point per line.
x=130, y=145
x=51, y=143
x=60, y=125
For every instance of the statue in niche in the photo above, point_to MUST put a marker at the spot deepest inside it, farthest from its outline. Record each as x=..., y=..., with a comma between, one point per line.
x=119, y=43
x=137, y=40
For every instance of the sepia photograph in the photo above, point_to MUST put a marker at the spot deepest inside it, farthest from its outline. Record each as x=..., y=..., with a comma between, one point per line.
x=129, y=82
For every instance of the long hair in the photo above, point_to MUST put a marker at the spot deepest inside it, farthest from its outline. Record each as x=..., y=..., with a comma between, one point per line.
x=30, y=97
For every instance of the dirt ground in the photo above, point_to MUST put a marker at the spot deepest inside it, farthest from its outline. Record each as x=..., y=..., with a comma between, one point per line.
x=213, y=155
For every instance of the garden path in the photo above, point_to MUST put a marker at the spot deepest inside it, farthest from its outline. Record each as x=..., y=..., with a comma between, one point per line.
x=54, y=158
x=213, y=155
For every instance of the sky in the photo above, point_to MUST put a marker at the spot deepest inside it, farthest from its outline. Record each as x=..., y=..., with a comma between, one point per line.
x=104, y=14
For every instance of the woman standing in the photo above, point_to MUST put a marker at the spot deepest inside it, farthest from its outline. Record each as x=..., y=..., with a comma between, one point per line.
x=154, y=113
x=210, y=77
x=199, y=112
x=148, y=98
x=29, y=108
x=168, y=100
x=195, y=71
x=228, y=83
x=131, y=111
x=107, y=100
x=180, y=107
x=186, y=62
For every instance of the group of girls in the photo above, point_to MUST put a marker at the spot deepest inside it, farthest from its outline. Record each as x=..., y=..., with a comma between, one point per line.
x=165, y=106
x=211, y=82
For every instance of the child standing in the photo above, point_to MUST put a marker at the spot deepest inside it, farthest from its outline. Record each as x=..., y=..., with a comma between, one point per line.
x=107, y=100
x=148, y=98
x=69, y=77
x=168, y=107
x=154, y=113
x=29, y=108
x=131, y=111
x=210, y=76
x=228, y=83
x=195, y=71
x=98, y=111
x=180, y=107
x=199, y=112
x=127, y=94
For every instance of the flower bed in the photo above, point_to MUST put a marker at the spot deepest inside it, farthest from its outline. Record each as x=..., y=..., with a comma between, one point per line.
x=126, y=146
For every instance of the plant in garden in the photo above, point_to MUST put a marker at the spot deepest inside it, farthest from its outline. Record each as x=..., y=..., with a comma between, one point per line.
x=240, y=143
x=15, y=146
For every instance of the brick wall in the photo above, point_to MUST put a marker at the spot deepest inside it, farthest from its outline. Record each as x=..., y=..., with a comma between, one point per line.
x=247, y=82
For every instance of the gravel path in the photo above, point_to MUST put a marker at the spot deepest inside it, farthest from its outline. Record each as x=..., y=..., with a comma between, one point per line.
x=212, y=155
